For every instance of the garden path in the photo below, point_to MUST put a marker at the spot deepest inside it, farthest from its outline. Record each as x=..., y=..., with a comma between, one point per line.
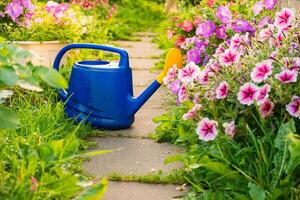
x=138, y=155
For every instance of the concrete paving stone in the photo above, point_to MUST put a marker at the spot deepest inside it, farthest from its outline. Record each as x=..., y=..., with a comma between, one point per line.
x=136, y=156
x=142, y=126
x=140, y=49
x=142, y=78
x=142, y=63
x=140, y=191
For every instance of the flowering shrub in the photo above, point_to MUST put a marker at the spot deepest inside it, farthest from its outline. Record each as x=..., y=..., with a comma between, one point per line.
x=238, y=112
x=16, y=12
x=199, y=30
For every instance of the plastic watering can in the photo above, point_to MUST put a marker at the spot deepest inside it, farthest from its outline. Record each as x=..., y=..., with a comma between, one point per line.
x=101, y=92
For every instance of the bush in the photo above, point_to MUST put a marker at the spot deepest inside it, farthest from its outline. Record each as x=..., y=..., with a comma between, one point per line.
x=239, y=114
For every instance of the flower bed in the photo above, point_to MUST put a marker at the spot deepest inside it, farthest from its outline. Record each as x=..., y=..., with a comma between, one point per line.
x=237, y=106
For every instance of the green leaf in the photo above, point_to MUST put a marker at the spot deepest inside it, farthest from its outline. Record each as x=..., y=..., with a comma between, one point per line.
x=176, y=158
x=46, y=153
x=283, y=131
x=256, y=192
x=94, y=192
x=8, y=75
x=8, y=119
x=51, y=77
x=218, y=167
x=294, y=149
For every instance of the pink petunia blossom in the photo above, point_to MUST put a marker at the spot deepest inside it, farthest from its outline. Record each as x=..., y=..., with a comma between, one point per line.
x=221, y=49
x=235, y=42
x=224, y=14
x=179, y=41
x=295, y=64
x=187, y=26
x=266, y=108
x=174, y=86
x=27, y=4
x=294, y=107
x=182, y=94
x=284, y=18
x=171, y=75
x=206, y=29
x=230, y=128
x=203, y=77
x=196, y=99
x=263, y=94
x=14, y=10
x=222, y=90
x=247, y=93
x=221, y=32
x=188, y=73
x=229, y=57
x=266, y=33
x=192, y=113
x=261, y=71
x=193, y=55
x=258, y=7
x=197, y=20
x=270, y=4
x=264, y=21
x=207, y=129
x=287, y=76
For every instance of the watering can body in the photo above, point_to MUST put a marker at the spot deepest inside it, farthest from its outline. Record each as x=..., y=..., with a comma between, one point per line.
x=101, y=92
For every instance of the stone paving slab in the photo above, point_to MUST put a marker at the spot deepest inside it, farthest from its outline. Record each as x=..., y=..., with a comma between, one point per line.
x=142, y=63
x=140, y=49
x=140, y=191
x=137, y=156
x=142, y=126
x=142, y=78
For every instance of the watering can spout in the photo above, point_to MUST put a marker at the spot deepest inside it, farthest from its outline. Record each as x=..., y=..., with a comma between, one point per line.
x=174, y=57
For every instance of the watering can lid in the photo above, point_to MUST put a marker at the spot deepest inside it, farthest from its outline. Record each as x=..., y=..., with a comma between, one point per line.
x=97, y=64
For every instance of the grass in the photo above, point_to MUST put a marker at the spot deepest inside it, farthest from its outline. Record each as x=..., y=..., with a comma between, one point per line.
x=173, y=177
x=38, y=159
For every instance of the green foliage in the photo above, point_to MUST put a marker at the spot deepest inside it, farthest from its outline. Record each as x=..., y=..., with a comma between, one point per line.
x=13, y=72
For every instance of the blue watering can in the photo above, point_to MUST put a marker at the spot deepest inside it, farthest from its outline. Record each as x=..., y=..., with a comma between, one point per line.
x=101, y=92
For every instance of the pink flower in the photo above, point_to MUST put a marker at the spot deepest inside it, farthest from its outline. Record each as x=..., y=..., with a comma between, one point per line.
x=284, y=18
x=222, y=90
x=294, y=106
x=174, y=86
x=206, y=29
x=248, y=93
x=264, y=21
x=180, y=40
x=34, y=183
x=221, y=32
x=263, y=94
x=270, y=4
x=261, y=71
x=207, y=129
x=14, y=10
x=229, y=57
x=187, y=26
x=188, y=73
x=224, y=14
x=182, y=94
x=169, y=34
x=266, y=33
x=210, y=3
x=203, y=77
x=230, y=128
x=221, y=49
x=197, y=20
x=295, y=64
x=193, y=55
x=266, y=108
x=171, y=75
x=192, y=113
x=287, y=76
x=258, y=7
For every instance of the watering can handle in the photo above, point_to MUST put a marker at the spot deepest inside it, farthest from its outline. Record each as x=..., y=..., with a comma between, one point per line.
x=124, y=61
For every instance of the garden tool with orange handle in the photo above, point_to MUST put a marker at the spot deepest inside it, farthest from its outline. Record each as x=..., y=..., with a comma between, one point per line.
x=101, y=92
